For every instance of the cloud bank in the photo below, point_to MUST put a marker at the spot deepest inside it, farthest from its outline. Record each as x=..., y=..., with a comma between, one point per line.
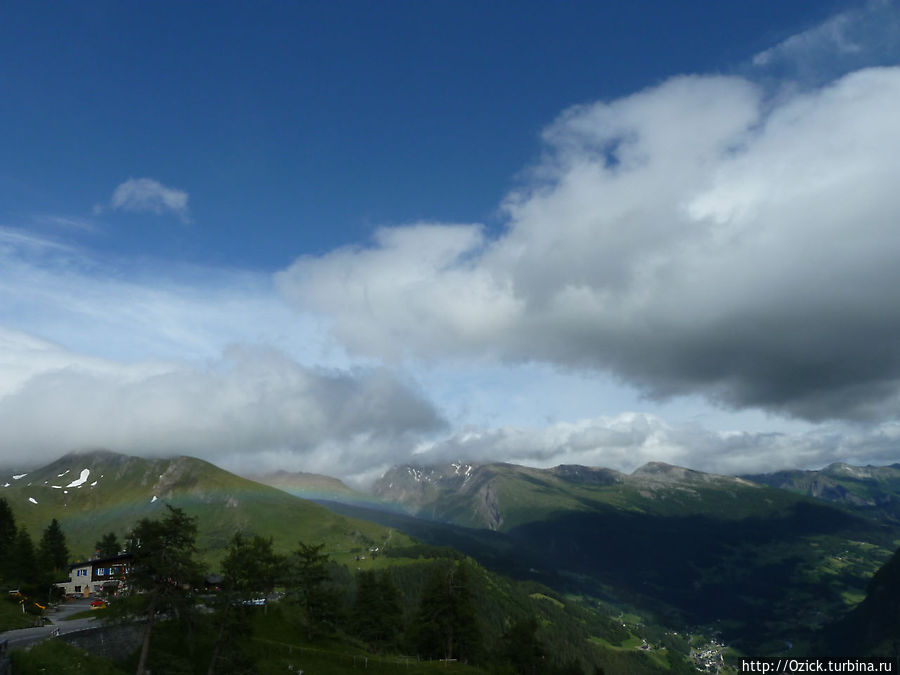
x=250, y=404
x=165, y=361
x=693, y=238
x=629, y=440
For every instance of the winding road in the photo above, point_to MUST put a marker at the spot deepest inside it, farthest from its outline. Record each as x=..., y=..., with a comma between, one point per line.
x=26, y=636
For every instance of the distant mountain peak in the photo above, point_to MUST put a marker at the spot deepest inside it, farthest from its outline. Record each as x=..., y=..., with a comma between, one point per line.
x=309, y=485
x=874, y=488
x=660, y=471
x=576, y=473
x=668, y=471
x=96, y=491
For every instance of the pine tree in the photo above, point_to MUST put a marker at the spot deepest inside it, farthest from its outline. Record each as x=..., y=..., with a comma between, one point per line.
x=22, y=561
x=377, y=615
x=522, y=649
x=309, y=586
x=446, y=623
x=7, y=537
x=108, y=545
x=251, y=569
x=163, y=571
x=53, y=553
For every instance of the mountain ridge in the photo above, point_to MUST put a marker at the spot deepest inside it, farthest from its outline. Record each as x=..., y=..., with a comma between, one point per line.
x=689, y=547
x=873, y=490
x=94, y=492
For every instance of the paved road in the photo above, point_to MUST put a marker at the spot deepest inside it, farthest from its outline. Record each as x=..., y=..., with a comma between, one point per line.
x=26, y=636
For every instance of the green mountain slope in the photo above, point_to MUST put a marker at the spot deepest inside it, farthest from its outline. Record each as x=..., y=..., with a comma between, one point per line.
x=92, y=493
x=494, y=496
x=761, y=564
x=505, y=496
x=873, y=491
x=873, y=627
x=97, y=492
x=311, y=486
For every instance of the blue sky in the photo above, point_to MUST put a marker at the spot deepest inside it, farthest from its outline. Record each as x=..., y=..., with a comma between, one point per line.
x=310, y=124
x=540, y=232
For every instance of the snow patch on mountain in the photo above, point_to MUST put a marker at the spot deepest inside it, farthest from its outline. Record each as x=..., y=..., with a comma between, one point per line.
x=464, y=469
x=81, y=479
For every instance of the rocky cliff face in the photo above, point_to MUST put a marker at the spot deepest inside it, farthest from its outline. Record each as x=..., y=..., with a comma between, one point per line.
x=874, y=489
x=462, y=492
x=417, y=485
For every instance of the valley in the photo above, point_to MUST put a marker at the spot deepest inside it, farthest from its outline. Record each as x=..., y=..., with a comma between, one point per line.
x=736, y=565
x=760, y=565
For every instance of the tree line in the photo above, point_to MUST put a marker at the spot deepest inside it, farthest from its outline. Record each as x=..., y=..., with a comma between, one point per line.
x=441, y=607
x=320, y=600
x=31, y=569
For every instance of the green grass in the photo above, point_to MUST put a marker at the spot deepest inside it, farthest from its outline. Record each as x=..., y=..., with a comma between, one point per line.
x=59, y=658
x=541, y=596
x=641, y=660
x=853, y=598
x=631, y=643
x=87, y=614
x=11, y=616
x=279, y=656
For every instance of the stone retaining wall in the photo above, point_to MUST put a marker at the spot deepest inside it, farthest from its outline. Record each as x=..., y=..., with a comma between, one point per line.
x=115, y=642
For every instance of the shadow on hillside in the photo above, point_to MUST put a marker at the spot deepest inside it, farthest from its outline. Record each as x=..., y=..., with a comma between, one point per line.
x=688, y=569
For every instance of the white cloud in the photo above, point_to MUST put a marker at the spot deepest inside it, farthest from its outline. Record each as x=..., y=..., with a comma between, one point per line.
x=145, y=195
x=859, y=37
x=250, y=403
x=15, y=242
x=629, y=440
x=76, y=223
x=688, y=239
x=415, y=271
x=124, y=310
x=181, y=360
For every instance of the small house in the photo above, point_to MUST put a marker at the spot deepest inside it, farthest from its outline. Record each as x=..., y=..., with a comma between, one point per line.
x=98, y=575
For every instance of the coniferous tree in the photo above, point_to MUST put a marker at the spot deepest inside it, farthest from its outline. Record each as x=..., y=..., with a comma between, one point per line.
x=23, y=568
x=446, y=623
x=53, y=552
x=377, y=615
x=522, y=649
x=108, y=545
x=309, y=585
x=251, y=569
x=7, y=537
x=163, y=571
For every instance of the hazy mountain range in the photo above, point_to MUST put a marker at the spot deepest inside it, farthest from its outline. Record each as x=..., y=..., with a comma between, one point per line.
x=762, y=560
